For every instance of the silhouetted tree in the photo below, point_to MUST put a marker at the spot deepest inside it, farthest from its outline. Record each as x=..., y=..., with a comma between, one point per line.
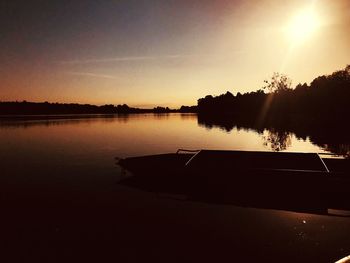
x=188, y=109
x=278, y=83
x=325, y=101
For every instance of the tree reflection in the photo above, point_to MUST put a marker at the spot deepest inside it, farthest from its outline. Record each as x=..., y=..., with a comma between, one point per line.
x=277, y=140
x=340, y=149
x=332, y=138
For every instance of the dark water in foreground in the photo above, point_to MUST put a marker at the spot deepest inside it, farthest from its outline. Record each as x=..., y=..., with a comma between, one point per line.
x=61, y=201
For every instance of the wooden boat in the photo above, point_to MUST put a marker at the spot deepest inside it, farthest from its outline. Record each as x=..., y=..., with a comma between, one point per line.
x=280, y=180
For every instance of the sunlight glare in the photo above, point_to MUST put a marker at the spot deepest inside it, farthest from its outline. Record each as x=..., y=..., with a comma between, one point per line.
x=303, y=25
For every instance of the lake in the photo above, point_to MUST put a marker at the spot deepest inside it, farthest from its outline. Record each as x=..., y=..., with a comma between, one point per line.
x=60, y=195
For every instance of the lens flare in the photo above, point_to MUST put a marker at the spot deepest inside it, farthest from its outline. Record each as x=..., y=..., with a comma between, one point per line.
x=303, y=25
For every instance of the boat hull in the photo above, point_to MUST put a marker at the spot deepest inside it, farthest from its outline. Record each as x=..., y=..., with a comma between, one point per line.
x=294, y=190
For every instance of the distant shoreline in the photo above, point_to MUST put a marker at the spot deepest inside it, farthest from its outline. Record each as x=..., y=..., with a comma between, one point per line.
x=13, y=117
x=25, y=109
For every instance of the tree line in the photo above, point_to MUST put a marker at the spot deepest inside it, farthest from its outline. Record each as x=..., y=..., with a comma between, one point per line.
x=325, y=100
x=46, y=108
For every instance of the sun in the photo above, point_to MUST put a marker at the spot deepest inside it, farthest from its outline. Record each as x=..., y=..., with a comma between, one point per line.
x=303, y=25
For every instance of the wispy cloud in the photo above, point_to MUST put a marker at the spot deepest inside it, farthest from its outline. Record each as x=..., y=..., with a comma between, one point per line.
x=122, y=59
x=89, y=74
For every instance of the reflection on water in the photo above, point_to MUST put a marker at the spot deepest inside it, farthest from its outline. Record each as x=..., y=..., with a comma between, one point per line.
x=154, y=133
x=54, y=120
x=280, y=137
x=277, y=140
x=69, y=161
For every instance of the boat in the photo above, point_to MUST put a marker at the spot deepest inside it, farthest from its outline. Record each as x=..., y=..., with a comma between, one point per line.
x=306, y=182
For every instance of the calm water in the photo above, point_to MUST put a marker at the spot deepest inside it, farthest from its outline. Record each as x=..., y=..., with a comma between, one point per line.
x=88, y=146
x=59, y=158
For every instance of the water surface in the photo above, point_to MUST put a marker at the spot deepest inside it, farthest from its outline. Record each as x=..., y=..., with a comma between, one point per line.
x=67, y=165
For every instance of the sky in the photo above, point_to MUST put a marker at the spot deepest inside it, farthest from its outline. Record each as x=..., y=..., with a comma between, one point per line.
x=169, y=53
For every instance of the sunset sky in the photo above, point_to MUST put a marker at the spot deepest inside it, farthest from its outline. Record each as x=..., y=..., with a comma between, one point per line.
x=164, y=52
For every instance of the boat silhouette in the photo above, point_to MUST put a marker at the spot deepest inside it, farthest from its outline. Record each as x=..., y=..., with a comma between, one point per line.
x=301, y=182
